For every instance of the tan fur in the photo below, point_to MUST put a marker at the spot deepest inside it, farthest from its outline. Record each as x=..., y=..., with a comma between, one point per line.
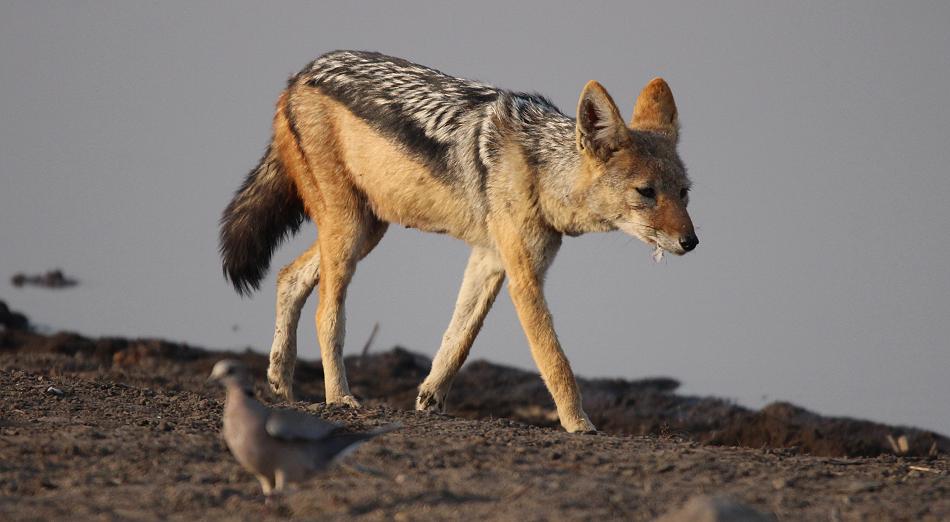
x=397, y=187
x=655, y=109
x=294, y=284
x=483, y=277
x=527, y=246
x=353, y=181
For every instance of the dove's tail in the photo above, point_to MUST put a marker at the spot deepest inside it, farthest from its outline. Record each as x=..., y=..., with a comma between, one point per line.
x=345, y=443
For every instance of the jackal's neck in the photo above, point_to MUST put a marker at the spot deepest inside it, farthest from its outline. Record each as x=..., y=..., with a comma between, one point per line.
x=564, y=188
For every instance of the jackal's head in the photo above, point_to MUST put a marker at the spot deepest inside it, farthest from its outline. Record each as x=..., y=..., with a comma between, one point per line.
x=634, y=178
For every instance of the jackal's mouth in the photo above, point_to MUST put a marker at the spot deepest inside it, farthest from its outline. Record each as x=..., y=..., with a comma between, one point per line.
x=675, y=250
x=652, y=236
x=644, y=233
x=669, y=244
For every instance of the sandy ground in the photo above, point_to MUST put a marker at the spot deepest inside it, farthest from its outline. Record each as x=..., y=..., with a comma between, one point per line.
x=139, y=441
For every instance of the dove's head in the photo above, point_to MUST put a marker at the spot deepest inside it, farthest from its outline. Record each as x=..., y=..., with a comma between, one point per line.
x=230, y=372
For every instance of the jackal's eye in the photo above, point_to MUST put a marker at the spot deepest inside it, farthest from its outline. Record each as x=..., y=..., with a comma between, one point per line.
x=683, y=193
x=646, y=192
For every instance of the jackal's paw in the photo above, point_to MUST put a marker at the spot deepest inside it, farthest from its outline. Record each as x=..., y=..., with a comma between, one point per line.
x=281, y=386
x=581, y=424
x=345, y=400
x=430, y=401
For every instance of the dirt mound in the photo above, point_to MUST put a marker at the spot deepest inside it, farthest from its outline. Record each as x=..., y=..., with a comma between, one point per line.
x=83, y=439
x=641, y=407
x=11, y=320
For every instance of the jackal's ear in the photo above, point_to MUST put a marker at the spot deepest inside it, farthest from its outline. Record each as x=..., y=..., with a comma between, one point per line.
x=655, y=110
x=600, y=128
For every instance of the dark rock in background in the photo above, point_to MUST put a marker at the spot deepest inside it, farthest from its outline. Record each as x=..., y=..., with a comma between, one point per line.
x=11, y=320
x=53, y=279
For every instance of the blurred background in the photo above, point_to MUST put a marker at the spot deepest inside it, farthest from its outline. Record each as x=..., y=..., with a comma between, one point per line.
x=817, y=137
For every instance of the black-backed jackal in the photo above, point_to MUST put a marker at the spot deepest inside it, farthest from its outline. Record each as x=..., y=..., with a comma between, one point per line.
x=362, y=140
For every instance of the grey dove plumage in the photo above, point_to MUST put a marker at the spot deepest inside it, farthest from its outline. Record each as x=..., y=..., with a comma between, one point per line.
x=278, y=446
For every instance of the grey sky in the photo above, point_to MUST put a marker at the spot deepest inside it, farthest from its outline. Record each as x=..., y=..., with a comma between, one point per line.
x=817, y=135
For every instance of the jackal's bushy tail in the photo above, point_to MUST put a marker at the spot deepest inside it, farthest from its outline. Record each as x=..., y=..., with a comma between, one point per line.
x=264, y=212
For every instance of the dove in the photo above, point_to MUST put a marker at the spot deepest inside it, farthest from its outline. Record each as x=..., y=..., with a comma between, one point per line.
x=277, y=446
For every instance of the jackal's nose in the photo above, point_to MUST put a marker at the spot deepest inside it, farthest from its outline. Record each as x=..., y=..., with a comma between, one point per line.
x=689, y=242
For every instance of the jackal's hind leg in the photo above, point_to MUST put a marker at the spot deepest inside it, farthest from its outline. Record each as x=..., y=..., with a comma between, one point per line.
x=483, y=277
x=294, y=285
x=342, y=243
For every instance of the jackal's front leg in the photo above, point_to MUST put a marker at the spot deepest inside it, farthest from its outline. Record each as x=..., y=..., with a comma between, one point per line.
x=526, y=256
x=483, y=277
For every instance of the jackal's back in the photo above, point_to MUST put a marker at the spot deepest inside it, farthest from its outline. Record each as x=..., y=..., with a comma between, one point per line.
x=447, y=122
